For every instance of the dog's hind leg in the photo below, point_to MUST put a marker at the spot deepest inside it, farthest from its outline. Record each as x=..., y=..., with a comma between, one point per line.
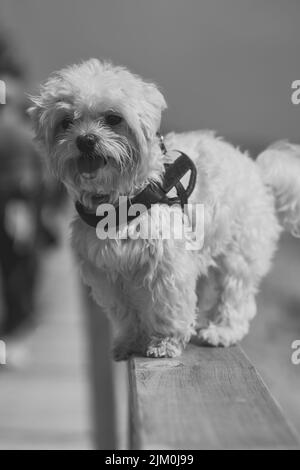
x=229, y=321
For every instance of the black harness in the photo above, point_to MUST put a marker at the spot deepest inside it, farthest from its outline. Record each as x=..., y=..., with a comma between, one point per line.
x=153, y=193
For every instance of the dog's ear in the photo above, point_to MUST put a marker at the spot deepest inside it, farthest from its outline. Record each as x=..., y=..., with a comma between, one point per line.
x=153, y=105
x=35, y=113
x=42, y=110
x=144, y=114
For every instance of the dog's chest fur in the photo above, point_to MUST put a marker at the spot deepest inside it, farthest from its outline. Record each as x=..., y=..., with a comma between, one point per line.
x=128, y=256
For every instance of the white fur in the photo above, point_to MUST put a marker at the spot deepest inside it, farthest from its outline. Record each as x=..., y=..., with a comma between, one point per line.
x=148, y=287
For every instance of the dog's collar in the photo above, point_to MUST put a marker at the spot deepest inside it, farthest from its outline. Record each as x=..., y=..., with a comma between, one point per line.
x=153, y=193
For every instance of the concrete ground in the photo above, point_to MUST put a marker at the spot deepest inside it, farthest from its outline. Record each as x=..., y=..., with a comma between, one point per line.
x=44, y=388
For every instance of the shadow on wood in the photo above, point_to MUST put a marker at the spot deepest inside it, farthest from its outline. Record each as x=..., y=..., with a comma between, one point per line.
x=103, y=405
x=109, y=383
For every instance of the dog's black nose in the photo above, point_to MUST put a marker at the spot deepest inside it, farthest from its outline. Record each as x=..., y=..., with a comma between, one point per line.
x=86, y=143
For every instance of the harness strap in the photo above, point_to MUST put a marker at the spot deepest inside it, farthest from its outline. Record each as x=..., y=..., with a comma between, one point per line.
x=153, y=193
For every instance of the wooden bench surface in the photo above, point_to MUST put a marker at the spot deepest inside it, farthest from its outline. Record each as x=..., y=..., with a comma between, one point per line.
x=210, y=398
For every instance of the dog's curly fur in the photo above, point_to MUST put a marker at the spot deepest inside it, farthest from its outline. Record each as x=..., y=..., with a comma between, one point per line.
x=156, y=292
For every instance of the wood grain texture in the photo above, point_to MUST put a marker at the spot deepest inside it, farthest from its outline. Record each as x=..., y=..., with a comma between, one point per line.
x=210, y=398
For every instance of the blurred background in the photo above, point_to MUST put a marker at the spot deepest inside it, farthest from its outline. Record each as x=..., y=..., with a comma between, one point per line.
x=222, y=64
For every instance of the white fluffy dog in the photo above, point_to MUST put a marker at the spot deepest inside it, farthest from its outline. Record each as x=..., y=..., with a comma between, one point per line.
x=98, y=124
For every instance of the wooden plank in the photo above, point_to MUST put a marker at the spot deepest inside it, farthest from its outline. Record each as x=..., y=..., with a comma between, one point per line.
x=210, y=398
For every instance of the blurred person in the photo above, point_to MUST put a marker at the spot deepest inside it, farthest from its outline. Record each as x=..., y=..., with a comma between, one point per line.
x=23, y=196
x=20, y=188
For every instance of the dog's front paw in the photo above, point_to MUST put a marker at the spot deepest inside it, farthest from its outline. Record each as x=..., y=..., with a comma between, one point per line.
x=217, y=335
x=164, y=347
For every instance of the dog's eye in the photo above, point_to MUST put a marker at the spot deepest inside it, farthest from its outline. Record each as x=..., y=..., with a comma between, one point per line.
x=113, y=119
x=66, y=123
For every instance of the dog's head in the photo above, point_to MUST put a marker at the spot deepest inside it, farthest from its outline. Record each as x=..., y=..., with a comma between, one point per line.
x=98, y=123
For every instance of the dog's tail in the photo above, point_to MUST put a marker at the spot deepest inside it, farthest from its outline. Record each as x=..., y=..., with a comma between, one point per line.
x=280, y=167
